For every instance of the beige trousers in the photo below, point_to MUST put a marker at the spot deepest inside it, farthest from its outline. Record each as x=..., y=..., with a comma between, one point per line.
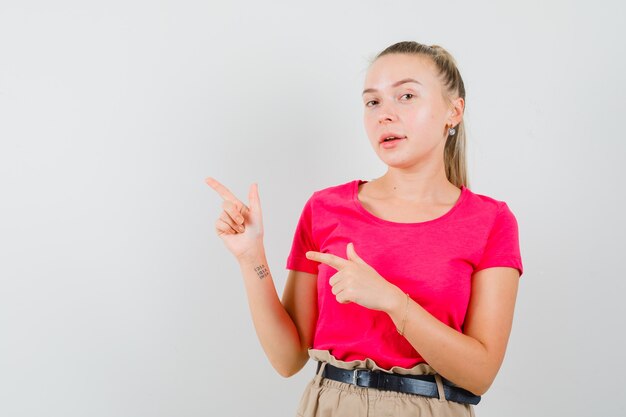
x=328, y=398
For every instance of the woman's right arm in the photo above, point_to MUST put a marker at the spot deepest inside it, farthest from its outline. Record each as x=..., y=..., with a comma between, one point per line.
x=285, y=329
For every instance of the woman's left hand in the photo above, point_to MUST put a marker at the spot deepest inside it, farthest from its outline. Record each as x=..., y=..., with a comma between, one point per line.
x=356, y=281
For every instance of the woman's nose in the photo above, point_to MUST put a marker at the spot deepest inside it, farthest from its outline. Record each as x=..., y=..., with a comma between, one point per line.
x=387, y=113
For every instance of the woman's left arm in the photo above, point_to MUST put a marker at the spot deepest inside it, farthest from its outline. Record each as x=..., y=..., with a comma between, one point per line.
x=470, y=359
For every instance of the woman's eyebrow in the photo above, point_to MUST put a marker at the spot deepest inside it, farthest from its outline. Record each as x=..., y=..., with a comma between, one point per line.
x=397, y=83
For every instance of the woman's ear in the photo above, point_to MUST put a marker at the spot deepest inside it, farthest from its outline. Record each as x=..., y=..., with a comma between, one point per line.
x=456, y=111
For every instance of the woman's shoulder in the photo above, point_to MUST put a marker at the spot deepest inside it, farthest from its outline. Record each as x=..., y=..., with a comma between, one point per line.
x=332, y=197
x=341, y=191
x=486, y=203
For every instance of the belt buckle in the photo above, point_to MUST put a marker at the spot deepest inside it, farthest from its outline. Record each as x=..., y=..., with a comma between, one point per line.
x=355, y=376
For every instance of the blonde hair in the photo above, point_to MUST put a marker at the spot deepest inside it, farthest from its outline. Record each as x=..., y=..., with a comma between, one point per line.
x=454, y=150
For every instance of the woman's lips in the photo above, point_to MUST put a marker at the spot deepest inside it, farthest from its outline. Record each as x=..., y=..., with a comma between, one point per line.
x=391, y=143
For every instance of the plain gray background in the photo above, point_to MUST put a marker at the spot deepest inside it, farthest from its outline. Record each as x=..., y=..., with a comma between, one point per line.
x=118, y=299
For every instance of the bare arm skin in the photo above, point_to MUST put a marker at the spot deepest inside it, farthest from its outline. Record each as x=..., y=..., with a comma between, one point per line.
x=473, y=358
x=285, y=329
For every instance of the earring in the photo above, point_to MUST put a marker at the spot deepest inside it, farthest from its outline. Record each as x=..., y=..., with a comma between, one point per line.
x=451, y=131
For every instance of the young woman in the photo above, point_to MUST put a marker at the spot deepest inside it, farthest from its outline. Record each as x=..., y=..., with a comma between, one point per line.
x=402, y=288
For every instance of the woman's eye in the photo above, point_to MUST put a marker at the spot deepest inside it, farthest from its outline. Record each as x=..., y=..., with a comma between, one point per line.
x=371, y=101
x=408, y=94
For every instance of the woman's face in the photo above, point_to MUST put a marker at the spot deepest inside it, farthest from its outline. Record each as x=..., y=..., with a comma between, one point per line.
x=403, y=97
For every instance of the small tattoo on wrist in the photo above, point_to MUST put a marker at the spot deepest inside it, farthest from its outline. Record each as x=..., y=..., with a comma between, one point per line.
x=262, y=271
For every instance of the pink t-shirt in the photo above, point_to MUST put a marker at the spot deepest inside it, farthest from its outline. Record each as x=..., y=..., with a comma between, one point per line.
x=432, y=261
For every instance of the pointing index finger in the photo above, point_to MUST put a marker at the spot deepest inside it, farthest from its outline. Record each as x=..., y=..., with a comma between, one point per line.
x=221, y=190
x=327, y=258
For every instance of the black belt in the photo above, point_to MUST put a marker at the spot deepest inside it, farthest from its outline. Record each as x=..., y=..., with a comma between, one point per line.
x=410, y=384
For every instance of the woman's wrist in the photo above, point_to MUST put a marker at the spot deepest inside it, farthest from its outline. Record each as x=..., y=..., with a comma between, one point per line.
x=252, y=257
x=396, y=302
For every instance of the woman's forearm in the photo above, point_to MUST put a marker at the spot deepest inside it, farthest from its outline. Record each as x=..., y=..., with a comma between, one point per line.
x=274, y=327
x=456, y=356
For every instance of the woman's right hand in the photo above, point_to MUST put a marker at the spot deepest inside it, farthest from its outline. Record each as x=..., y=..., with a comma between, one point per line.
x=240, y=227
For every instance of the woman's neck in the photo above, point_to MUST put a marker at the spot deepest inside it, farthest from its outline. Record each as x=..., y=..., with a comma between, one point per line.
x=414, y=187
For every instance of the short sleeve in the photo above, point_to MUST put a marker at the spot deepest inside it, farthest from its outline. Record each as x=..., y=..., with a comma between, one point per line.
x=502, y=248
x=303, y=241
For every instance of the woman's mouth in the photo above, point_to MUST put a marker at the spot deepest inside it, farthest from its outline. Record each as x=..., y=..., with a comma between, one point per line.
x=391, y=142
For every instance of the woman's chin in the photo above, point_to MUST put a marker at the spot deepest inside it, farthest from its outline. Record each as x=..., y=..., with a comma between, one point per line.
x=397, y=162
